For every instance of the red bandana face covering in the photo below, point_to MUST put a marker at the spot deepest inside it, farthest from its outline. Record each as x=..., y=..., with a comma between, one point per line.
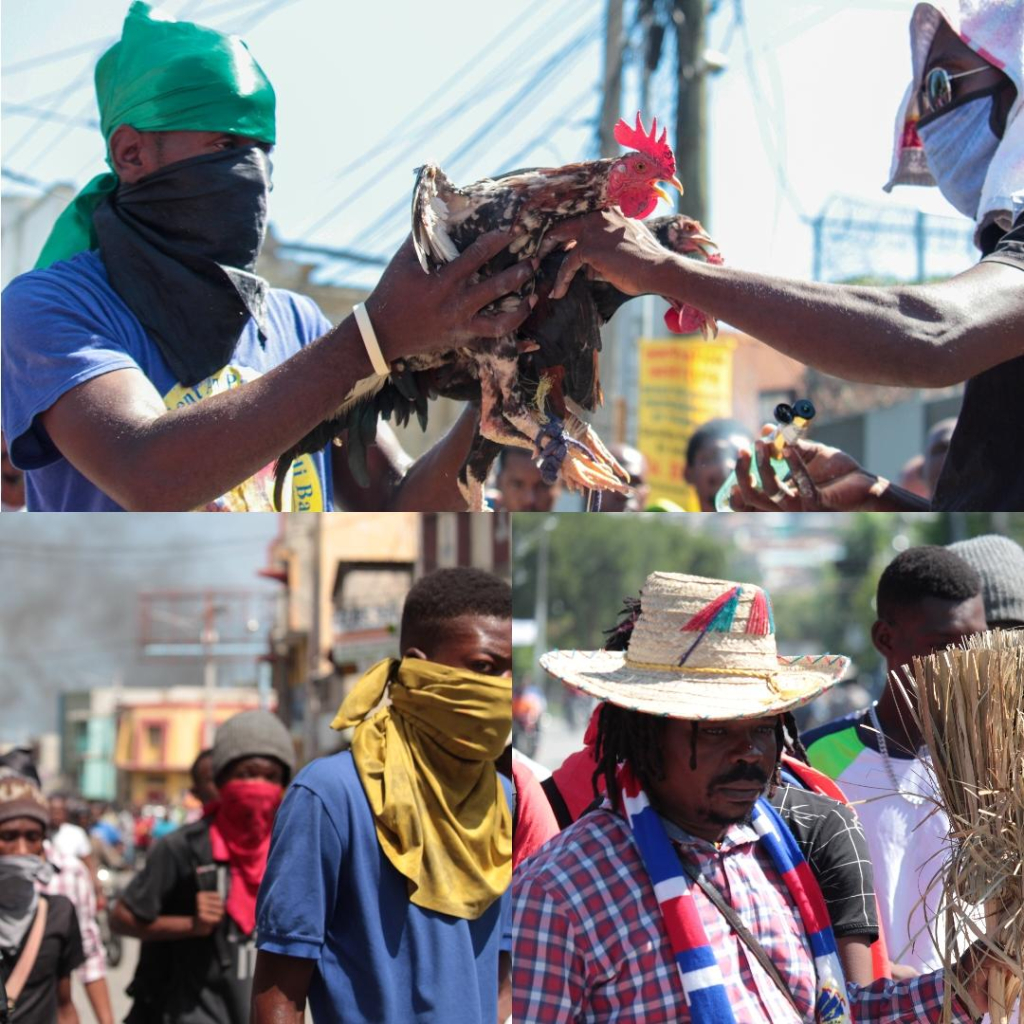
x=240, y=834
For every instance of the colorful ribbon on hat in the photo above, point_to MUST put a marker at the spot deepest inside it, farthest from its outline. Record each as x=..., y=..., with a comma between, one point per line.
x=703, y=983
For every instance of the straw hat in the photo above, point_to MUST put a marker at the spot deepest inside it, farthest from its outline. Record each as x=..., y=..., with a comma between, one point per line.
x=701, y=649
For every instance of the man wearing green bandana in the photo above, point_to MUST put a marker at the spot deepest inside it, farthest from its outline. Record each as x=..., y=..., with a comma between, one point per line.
x=125, y=349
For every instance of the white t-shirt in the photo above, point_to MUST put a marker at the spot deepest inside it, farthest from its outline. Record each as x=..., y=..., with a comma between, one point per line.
x=72, y=841
x=906, y=841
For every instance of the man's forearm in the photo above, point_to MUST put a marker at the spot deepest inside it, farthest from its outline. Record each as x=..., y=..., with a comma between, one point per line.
x=504, y=987
x=430, y=485
x=891, y=498
x=162, y=929
x=185, y=458
x=206, y=449
x=900, y=336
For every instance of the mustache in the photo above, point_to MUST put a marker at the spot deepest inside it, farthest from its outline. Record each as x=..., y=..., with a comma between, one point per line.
x=741, y=773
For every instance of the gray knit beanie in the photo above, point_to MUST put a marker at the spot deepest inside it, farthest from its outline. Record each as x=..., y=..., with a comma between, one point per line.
x=252, y=734
x=1000, y=564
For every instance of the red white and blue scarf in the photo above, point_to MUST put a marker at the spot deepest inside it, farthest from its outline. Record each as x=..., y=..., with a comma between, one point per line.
x=703, y=984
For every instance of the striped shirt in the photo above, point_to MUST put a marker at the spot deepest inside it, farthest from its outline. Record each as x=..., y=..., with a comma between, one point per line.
x=590, y=945
x=73, y=880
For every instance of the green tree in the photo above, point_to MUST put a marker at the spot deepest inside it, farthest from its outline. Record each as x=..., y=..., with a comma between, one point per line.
x=595, y=561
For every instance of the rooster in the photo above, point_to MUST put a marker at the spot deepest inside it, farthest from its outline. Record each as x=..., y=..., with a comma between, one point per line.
x=532, y=400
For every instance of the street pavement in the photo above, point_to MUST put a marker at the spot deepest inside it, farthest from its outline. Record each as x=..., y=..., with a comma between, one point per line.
x=118, y=979
x=558, y=740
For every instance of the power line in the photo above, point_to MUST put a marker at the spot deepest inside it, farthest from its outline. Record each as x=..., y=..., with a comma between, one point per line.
x=23, y=179
x=513, y=161
x=555, y=68
x=414, y=141
x=56, y=55
x=27, y=110
x=15, y=549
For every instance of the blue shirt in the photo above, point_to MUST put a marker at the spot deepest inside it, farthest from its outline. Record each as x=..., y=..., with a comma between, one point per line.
x=65, y=325
x=329, y=894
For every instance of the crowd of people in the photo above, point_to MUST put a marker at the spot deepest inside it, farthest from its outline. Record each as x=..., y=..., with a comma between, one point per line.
x=658, y=869
x=122, y=391
x=371, y=885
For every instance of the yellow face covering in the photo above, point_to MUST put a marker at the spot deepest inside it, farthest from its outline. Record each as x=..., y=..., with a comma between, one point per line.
x=426, y=763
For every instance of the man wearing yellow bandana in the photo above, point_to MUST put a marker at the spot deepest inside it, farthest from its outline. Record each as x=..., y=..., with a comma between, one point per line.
x=386, y=892
x=146, y=366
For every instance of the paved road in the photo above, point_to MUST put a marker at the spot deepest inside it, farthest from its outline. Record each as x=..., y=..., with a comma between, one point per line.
x=118, y=980
x=558, y=740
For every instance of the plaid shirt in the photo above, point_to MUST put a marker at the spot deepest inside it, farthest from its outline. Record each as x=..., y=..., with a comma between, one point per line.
x=72, y=879
x=589, y=943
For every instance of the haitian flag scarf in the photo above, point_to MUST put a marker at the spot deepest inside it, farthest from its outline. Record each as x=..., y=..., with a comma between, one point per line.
x=699, y=971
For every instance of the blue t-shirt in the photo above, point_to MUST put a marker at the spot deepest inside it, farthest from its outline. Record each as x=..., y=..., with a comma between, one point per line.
x=65, y=325
x=329, y=894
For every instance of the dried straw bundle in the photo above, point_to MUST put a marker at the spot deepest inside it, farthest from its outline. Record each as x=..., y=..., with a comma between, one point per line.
x=971, y=712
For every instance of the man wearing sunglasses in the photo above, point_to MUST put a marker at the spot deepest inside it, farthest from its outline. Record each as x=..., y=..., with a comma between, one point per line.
x=960, y=127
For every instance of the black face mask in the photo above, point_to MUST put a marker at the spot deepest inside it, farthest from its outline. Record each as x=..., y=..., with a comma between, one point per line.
x=180, y=248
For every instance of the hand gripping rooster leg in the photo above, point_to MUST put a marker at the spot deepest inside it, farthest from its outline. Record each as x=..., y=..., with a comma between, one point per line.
x=565, y=456
x=578, y=428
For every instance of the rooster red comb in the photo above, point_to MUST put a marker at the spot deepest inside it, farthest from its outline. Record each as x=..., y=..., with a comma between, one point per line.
x=636, y=138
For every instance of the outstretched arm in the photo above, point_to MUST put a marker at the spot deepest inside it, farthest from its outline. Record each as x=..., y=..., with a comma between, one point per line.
x=912, y=335
x=115, y=430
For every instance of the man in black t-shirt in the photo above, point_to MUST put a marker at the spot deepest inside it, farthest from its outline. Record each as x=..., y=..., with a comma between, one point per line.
x=193, y=905
x=963, y=113
x=24, y=819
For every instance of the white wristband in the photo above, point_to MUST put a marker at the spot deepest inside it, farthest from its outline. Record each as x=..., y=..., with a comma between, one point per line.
x=377, y=360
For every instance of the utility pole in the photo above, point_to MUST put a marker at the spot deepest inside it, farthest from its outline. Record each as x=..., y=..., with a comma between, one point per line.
x=311, y=721
x=209, y=638
x=691, y=108
x=612, y=96
x=652, y=34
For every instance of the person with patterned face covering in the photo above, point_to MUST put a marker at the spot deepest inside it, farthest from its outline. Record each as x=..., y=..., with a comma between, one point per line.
x=148, y=366
x=960, y=127
x=40, y=940
x=386, y=896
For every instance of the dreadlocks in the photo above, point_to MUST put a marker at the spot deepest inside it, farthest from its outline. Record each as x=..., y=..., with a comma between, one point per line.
x=791, y=742
x=630, y=736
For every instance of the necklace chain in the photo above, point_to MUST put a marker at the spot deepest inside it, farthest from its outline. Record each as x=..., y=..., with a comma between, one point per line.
x=883, y=748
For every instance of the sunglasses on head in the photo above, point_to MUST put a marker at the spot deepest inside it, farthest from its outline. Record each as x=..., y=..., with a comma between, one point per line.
x=938, y=86
x=33, y=835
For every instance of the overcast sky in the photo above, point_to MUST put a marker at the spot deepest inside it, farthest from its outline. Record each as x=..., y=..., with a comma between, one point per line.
x=803, y=111
x=68, y=597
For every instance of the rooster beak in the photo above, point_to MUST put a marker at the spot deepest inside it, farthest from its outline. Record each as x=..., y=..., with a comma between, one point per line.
x=675, y=183
x=660, y=192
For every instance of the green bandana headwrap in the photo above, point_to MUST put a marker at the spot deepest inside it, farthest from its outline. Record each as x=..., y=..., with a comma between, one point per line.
x=166, y=76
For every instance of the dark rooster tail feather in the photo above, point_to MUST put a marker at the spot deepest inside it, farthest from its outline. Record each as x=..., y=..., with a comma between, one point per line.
x=281, y=468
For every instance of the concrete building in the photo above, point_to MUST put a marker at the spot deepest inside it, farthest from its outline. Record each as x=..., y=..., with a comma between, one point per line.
x=160, y=733
x=137, y=743
x=344, y=580
x=26, y=219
